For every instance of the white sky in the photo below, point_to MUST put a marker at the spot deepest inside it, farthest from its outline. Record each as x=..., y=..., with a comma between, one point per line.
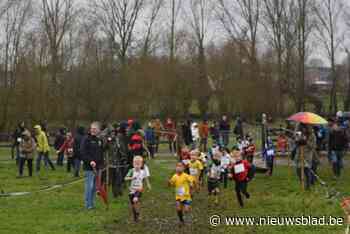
x=216, y=33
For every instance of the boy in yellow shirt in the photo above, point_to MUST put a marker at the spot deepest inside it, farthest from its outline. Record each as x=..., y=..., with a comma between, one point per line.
x=195, y=168
x=183, y=184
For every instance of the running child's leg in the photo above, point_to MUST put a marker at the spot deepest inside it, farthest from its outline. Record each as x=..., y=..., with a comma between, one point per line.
x=216, y=194
x=187, y=210
x=238, y=194
x=244, y=189
x=179, y=211
x=134, y=200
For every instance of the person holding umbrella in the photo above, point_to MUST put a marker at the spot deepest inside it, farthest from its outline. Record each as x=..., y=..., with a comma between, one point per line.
x=306, y=146
x=306, y=139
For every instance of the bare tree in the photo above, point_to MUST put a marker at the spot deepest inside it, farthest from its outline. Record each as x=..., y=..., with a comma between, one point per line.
x=347, y=98
x=199, y=17
x=304, y=29
x=58, y=17
x=5, y=5
x=118, y=19
x=14, y=24
x=175, y=9
x=154, y=9
x=329, y=13
x=240, y=19
x=274, y=23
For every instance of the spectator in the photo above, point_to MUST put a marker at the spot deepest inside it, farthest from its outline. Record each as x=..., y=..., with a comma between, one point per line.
x=337, y=145
x=320, y=133
x=17, y=138
x=26, y=148
x=187, y=133
x=59, y=140
x=43, y=148
x=67, y=149
x=136, y=144
x=306, y=139
x=224, y=128
x=171, y=129
x=203, y=134
x=92, y=155
x=158, y=127
x=195, y=135
x=282, y=143
x=77, y=156
x=150, y=139
x=238, y=131
x=214, y=132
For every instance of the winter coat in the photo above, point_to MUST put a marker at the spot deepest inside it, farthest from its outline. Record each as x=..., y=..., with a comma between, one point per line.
x=92, y=150
x=42, y=141
x=27, y=146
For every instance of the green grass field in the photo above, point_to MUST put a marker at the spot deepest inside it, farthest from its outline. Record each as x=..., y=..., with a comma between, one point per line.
x=61, y=210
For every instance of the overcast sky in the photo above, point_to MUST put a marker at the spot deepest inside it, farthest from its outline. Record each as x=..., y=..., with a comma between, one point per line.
x=215, y=32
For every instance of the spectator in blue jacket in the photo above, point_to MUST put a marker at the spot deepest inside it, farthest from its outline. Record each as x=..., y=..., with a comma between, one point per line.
x=150, y=139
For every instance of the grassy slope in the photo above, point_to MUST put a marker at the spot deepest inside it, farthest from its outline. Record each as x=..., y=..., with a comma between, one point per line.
x=61, y=211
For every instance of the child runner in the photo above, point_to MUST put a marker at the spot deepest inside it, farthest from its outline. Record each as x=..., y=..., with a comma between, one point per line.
x=203, y=159
x=240, y=170
x=214, y=172
x=225, y=161
x=195, y=168
x=67, y=149
x=183, y=184
x=185, y=158
x=269, y=155
x=137, y=176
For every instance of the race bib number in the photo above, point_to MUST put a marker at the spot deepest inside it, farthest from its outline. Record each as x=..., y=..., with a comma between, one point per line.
x=180, y=191
x=193, y=171
x=137, y=183
x=214, y=172
x=270, y=152
x=239, y=168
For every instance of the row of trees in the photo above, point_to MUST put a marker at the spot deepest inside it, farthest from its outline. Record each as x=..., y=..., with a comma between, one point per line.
x=72, y=60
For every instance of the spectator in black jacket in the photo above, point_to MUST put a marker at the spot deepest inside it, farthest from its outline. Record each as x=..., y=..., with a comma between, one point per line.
x=186, y=133
x=92, y=155
x=337, y=145
x=59, y=140
x=224, y=128
x=77, y=157
x=17, y=138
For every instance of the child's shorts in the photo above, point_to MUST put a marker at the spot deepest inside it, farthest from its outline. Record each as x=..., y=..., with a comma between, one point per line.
x=213, y=184
x=184, y=202
x=133, y=195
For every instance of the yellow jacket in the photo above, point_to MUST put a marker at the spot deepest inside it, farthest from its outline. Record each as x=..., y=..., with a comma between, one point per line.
x=42, y=142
